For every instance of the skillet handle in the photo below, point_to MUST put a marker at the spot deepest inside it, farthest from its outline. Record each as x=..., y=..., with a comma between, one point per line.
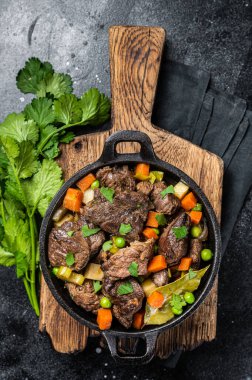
x=150, y=339
x=109, y=151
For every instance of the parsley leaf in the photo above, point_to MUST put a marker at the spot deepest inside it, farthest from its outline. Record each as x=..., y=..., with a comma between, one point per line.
x=7, y=259
x=89, y=231
x=31, y=76
x=180, y=232
x=67, y=137
x=125, y=288
x=192, y=274
x=16, y=127
x=41, y=188
x=133, y=269
x=70, y=233
x=108, y=193
x=56, y=84
x=70, y=259
x=41, y=111
x=168, y=190
x=67, y=109
x=97, y=286
x=107, y=245
x=95, y=107
x=21, y=264
x=177, y=301
x=124, y=228
x=161, y=219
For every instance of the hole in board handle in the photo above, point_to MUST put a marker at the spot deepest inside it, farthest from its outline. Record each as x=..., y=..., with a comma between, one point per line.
x=128, y=147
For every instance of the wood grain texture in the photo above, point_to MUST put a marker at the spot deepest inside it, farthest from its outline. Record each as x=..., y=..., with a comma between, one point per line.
x=135, y=55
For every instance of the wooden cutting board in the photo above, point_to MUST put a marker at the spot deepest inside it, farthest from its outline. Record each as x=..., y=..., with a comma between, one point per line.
x=135, y=55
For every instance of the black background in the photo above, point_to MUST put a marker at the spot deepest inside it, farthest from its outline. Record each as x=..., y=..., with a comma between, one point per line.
x=213, y=35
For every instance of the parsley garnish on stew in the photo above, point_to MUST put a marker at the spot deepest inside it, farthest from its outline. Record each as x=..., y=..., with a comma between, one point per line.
x=133, y=269
x=70, y=259
x=89, y=231
x=108, y=193
x=180, y=232
x=161, y=219
x=97, y=286
x=70, y=233
x=107, y=245
x=125, y=288
x=168, y=190
x=124, y=229
x=192, y=274
x=177, y=301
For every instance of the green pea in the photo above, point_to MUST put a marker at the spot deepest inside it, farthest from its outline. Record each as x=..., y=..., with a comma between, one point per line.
x=156, y=230
x=55, y=271
x=189, y=297
x=176, y=311
x=95, y=184
x=105, y=303
x=120, y=242
x=206, y=254
x=198, y=207
x=196, y=231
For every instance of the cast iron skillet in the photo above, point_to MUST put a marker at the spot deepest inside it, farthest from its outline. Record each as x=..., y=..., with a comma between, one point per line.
x=111, y=157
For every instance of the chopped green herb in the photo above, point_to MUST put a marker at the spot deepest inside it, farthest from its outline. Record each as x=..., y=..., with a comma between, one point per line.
x=70, y=259
x=125, y=288
x=180, y=232
x=89, y=231
x=70, y=233
x=108, y=193
x=177, y=301
x=198, y=207
x=161, y=219
x=168, y=190
x=107, y=245
x=97, y=286
x=124, y=229
x=192, y=274
x=133, y=269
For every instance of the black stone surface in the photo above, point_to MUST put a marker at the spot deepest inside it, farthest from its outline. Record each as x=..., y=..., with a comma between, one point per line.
x=213, y=35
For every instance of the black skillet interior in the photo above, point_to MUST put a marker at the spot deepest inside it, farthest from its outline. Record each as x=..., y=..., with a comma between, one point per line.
x=172, y=175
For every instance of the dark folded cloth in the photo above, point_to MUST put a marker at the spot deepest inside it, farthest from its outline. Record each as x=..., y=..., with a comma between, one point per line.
x=187, y=106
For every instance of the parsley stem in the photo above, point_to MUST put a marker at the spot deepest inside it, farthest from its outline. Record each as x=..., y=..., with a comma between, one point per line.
x=33, y=267
x=45, y=141
x=28, y=290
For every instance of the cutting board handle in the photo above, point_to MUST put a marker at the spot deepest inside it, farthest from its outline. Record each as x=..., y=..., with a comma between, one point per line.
x=135, y=56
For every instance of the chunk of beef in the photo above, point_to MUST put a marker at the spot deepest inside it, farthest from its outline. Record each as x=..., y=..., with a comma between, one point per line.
x=160, y=278
x=82, y=248
x=171, y=247
x=194, y=252
x=145, y=187
x=60, y=244
x=85, y=295
x=129, y=207
x=168, y=204
x=119, y=178
x=126, y=305
x=117, y=267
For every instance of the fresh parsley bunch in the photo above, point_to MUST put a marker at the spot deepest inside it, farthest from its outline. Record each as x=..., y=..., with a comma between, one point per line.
x=29, y=178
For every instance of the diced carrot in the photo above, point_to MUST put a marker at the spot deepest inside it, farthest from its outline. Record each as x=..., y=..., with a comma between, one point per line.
x=86, y=182
x=185, y=264
x=149, y=233
x=156, y=299
x=152, y=221
x=72, y=200
x=189, y=201
x=104, y=319
x=195, y=216
x=138, y=319
x=157, y=263
x=142, y=171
